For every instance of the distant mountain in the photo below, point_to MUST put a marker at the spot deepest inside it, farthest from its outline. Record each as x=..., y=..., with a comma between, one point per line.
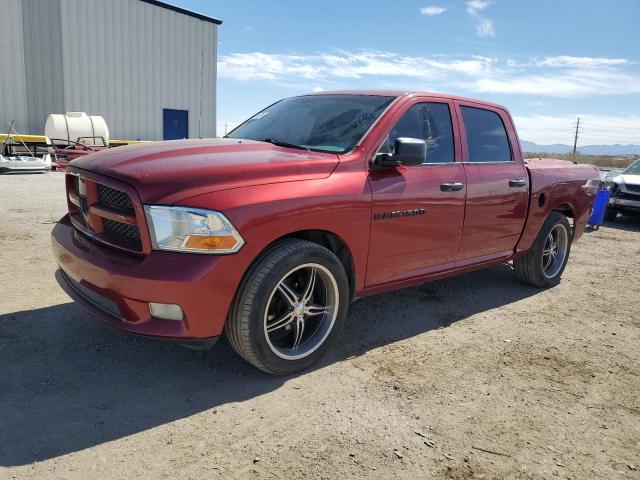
x=584, y=149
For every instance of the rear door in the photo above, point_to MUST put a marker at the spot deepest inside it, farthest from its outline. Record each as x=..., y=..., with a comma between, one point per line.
x=418, y=210
x=497, y=184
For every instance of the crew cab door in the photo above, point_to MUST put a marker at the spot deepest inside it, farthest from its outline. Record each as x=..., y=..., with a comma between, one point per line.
x=418, y=210
x=497, y=184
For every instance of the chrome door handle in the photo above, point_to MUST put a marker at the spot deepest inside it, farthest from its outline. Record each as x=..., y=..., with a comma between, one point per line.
x=517, y=182
x=451, y=187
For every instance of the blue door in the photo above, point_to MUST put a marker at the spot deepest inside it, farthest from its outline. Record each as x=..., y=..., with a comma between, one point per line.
x=175, y=124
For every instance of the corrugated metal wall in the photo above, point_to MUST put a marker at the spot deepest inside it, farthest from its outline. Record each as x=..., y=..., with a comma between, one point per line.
x=127, y=60
x=123, y=59
x=13, y=103
x=42, y=60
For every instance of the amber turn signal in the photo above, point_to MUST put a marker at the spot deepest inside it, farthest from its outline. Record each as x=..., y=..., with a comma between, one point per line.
x=202, y=242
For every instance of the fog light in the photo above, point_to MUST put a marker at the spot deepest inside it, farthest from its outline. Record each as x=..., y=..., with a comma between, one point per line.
x=166, y=311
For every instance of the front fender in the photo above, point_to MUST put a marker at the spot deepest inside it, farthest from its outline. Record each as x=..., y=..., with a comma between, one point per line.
x=340, y=204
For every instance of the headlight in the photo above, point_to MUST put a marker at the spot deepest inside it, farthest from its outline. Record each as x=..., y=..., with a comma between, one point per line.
x=611, y=186
x=195, y=230
x=592, y=186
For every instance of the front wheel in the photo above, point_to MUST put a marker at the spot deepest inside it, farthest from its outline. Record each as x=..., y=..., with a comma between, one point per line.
x=545, y=261
x=289, y=308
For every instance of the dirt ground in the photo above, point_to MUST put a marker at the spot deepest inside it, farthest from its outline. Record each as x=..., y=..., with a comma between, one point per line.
x=473, y=377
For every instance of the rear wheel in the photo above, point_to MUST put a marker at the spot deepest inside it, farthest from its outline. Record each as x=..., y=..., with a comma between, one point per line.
x=545, y=261
x=289, y=308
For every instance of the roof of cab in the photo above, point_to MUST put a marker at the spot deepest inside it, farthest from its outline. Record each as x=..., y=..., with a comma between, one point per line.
x=406, y=93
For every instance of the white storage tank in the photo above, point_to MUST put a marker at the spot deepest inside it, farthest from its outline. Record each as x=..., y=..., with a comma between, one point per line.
x=76, y=127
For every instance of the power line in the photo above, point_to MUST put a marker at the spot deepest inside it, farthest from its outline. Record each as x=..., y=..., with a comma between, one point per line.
x=619, y=137
x=612, y=127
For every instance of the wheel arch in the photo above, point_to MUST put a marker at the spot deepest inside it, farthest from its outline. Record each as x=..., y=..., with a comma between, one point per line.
x=535, y=222
x=565, y=208
x=330, y=240
x=335, y=244
x=568, y=211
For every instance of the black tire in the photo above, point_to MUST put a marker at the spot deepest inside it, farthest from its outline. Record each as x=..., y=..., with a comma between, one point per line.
x=246, y=326
x=610, y=214
x=530, y=269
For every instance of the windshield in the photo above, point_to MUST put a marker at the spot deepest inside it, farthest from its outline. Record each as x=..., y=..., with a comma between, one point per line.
x=633, y=169
x=329, y=123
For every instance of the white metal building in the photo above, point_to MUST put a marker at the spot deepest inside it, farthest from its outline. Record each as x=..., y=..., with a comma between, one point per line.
x=147, y=67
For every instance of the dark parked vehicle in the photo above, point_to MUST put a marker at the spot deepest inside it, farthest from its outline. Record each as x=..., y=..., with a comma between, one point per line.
x=625, y=192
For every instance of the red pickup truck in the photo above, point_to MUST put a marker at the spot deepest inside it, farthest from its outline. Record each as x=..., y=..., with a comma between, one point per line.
x=269, y=233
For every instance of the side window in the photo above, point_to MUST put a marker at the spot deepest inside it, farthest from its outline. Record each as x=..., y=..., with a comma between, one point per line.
x=486, y=136
x=430, y=122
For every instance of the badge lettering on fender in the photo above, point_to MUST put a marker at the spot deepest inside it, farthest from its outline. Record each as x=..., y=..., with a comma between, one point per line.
x=399, y=213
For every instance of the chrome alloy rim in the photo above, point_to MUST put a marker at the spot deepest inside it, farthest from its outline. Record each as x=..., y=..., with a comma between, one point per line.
x=301, y=311
x=555, y=251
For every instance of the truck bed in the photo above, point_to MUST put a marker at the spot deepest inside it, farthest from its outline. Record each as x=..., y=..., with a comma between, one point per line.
x=557, y=184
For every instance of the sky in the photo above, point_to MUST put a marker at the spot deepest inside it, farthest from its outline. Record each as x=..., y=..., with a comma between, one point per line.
x=548, y=61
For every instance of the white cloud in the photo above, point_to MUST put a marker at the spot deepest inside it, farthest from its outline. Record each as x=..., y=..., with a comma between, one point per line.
x=549, y=77
x=595, y=129
x=476, y=6
x=432, y=10
x=580, y=62
x=484, y=26
x=346, y=65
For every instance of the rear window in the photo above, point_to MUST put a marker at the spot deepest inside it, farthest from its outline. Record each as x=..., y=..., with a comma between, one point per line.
x=486, y=136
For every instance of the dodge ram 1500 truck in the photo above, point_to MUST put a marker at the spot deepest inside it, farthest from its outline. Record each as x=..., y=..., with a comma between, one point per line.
x=269, y=233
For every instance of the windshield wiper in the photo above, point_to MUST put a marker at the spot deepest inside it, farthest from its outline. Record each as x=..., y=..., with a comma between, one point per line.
x=279, y=143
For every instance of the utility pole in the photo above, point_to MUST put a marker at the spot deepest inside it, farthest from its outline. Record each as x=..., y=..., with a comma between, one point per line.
x=575, y=139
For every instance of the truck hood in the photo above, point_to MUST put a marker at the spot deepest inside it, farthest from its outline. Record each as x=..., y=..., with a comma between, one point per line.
x=627, y=179
x=166, y=172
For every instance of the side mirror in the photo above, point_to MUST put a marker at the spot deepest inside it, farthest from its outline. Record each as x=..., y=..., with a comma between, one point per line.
x=408, y=151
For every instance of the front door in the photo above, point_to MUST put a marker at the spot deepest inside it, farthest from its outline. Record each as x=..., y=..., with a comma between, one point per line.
x=418, y=211
x=497, y=185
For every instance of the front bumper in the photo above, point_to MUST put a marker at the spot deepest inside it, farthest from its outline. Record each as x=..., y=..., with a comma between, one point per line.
x=117, y=287
x=34, y=167
x=625, y=204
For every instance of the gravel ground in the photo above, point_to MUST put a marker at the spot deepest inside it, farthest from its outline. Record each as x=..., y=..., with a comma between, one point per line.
x=477, y=376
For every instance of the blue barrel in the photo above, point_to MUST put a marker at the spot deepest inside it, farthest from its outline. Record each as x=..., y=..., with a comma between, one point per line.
x=599, y=206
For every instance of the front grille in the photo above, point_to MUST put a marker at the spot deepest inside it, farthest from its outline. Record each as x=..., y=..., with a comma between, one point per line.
x=114, y=199
x=122, y=234
x=627, y=196
x=632, y=188
x=113, y=223
x=75, y=184
x=84, y=206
